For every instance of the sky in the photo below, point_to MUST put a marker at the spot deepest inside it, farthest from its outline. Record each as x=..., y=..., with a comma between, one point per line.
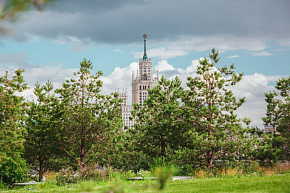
x=252, y=34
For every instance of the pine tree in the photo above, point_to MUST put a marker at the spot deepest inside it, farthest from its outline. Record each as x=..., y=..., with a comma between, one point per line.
x=157, y=133
x=278, y=112
x=42, y=150
x=215, y=131
x=12, y=114
x=89, y=119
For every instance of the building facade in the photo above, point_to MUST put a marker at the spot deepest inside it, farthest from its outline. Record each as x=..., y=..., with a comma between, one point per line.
x=143, y=81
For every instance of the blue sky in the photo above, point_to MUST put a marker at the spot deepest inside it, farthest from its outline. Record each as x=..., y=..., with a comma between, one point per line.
x=252, y=34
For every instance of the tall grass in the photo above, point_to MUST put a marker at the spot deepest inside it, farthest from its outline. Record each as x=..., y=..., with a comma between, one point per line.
x=252, y=169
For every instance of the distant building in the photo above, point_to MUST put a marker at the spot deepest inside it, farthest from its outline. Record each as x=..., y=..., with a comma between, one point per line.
x=269, y=129
x=140, y=84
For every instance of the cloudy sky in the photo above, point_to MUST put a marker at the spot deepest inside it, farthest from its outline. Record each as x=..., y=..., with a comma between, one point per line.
x=252, y=34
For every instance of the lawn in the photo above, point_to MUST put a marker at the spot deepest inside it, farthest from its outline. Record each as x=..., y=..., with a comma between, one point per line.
x=277, y=183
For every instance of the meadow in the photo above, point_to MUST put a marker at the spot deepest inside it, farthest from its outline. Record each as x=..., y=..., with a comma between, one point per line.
x=274, y=183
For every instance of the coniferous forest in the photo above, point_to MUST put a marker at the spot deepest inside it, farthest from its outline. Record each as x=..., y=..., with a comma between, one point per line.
x=75, y=129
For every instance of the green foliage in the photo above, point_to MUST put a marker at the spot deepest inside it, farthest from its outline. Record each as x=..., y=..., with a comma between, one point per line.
x=86, y=186
x=13, y=170
x=214, y=131
x=42, y=150
x=88, y=119
x=66, y=176
x=94, y=172
x=12, y=114
x=118, y=186
x=270, y=150
x=278, y=114
x=276, y=183
x=163, y=174
x=144, y=173
x=157, y=132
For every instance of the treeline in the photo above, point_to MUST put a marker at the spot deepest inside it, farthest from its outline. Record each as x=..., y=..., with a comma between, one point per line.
x=75, y=126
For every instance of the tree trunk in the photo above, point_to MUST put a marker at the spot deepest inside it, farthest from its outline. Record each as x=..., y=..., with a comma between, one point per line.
x=82, y=155
x=209, y=162
x=162, y=147
x=40, y=171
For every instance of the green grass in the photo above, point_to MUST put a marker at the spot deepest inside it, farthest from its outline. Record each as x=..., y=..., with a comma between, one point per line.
x=277, y=183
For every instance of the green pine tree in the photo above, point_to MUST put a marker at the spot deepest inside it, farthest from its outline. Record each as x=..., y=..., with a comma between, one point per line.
x=89, y=119
x=278, y=113
x=209, y=106
x=158, y=133
x=12, y=113
x=42, y=150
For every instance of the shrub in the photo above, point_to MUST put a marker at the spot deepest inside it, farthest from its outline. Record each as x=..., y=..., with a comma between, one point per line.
x=66, y=176
x=200, y=174
x=94, y=172
x=143, y=173
x=13, y=170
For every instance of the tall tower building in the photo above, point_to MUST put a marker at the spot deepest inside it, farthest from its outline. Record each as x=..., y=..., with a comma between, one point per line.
x=140, y=84
x=144, y=79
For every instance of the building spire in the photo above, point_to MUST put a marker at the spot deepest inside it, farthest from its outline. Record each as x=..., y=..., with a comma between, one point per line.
x=145, y=57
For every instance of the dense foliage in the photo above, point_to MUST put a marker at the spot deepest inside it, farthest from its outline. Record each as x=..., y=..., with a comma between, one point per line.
x=42, y=149
x=157, y=132
x=88, y=119
x=209, y=111
x=278, y=115
x=12, y=113
x=75, y=127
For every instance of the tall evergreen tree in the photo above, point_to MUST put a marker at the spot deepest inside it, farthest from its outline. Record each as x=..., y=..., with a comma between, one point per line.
x=88, y=119
x=157, y=132
x=12, y=114
x=215, y=131
x=278, y=112
x=42, y=150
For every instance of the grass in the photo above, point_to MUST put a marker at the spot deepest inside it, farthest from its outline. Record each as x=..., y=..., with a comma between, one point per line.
x=280, y=183
x=275, y=183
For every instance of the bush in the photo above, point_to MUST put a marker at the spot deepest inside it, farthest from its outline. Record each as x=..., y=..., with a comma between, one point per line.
x=93, y=172
x=66, y=176
x=143, y=173
x=13, y=171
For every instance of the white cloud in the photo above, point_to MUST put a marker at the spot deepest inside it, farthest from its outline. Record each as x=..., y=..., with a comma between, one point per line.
x=162, y=53
x=57, y=75
x=182, y=46
x=120, y=78
x=76, y=44
x=204, y=43
x=263, y=53
x=253, y=88
x=275, y=78
x=163, y=66
x=234, y=56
